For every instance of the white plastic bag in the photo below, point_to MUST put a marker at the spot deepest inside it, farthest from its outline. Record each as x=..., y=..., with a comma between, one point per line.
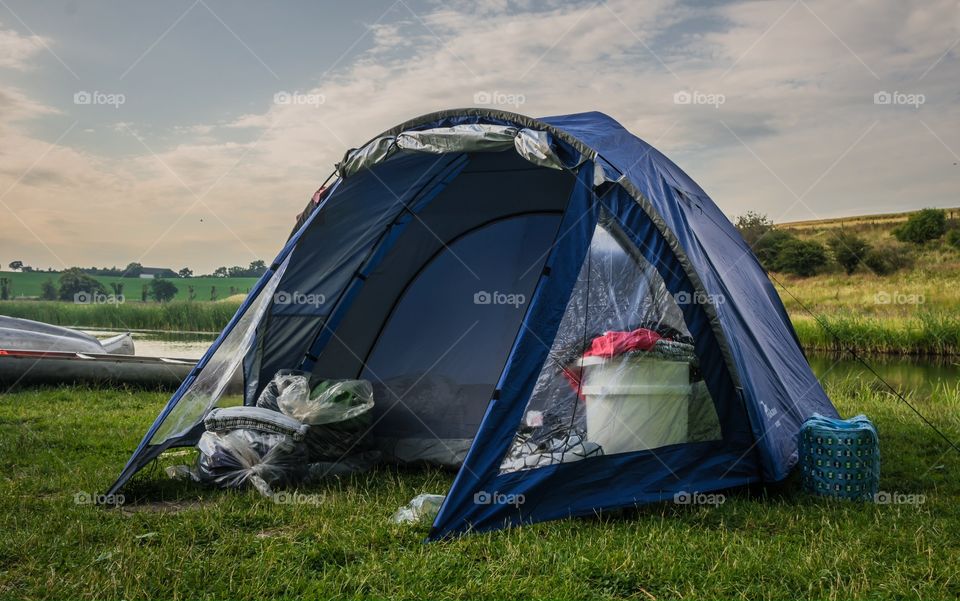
x=422, y=509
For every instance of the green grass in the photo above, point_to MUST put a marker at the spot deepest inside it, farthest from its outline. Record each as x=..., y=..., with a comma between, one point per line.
x=936, y=334
x=28, y=284
x=175, y=315
x=174, y=540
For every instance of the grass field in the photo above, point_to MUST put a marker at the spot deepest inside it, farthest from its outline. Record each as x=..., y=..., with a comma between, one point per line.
x=28, y=284
x=173, y=540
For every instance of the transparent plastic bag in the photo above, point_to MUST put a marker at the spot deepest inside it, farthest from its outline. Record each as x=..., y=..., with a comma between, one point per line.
x=239, y=457
x=422, y=509
x=283, y=378
x=338, y=413
x=330, y=401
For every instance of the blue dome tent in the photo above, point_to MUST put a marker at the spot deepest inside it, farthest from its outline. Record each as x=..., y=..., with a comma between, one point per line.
x=549, y=304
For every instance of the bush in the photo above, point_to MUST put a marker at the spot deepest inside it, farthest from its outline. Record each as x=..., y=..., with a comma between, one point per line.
x=767, y=248
x=801, y=257
x=922, y=226
x=74, y=282
x=48, y=291
x=753, y=226
x=848, y=249
x=885, y=259
x=162, y=290
x=953, y=238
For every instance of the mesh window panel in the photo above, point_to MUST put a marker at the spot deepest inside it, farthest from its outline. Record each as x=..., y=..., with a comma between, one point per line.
x=622, y=375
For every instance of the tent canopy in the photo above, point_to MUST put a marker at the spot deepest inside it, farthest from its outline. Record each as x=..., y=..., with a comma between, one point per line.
x=476, y=266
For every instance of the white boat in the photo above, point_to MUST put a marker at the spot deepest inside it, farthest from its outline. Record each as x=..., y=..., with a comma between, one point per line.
x=28, y=335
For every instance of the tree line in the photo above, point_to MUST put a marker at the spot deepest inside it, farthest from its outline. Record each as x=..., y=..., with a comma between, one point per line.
x=133, y=270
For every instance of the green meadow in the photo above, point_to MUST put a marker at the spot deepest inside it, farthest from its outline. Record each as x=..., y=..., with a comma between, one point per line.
x=175, y=540
x=205, y=289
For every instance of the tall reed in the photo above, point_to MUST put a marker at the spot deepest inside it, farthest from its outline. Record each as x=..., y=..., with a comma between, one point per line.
x=175, y=315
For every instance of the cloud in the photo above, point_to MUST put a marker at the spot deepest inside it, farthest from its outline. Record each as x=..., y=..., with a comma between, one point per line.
x=797, y=82
x=15, y=106
x=16, y=51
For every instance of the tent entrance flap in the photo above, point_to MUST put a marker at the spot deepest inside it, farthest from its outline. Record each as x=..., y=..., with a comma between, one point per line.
x=433, y=321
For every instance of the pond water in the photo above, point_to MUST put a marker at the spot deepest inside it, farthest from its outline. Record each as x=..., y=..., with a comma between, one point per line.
x=906, y=374
x=179, y=345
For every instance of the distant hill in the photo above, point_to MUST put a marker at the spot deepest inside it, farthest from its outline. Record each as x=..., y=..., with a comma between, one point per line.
x=869, y=226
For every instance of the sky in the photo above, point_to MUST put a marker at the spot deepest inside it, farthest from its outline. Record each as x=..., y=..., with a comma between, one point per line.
x=191, y=132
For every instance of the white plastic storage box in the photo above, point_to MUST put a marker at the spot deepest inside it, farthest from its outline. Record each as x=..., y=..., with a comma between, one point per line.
x=635, y=402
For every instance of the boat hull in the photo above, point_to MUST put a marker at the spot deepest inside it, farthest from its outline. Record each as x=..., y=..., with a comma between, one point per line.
x=31, y=368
